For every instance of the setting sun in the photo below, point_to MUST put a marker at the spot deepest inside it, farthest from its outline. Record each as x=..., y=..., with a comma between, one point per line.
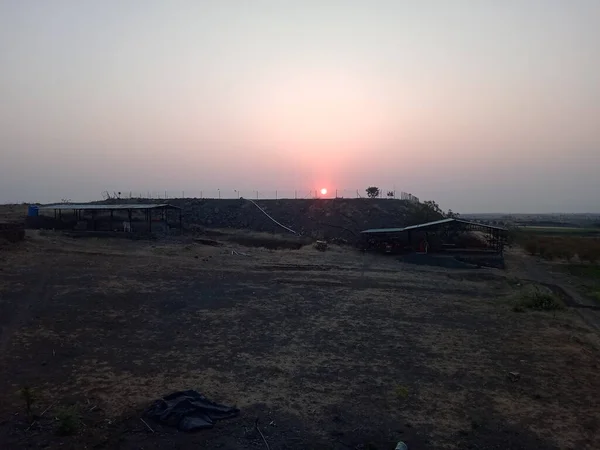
x=323, y=191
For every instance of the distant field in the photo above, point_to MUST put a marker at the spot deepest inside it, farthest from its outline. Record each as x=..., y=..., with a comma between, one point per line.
x=562, y=230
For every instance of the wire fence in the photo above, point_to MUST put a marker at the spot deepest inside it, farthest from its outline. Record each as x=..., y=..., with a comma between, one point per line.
x=263, y=194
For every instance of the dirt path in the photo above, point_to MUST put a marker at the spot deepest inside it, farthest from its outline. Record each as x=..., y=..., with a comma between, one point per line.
x=523, y=266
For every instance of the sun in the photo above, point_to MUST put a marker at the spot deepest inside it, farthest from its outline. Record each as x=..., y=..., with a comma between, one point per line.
x=323, y=191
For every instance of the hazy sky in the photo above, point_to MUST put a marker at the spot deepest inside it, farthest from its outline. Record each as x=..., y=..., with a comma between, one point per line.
x=480, y=105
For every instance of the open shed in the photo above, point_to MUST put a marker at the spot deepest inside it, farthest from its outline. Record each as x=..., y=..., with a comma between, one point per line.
x=114, y=217
x=439, y=235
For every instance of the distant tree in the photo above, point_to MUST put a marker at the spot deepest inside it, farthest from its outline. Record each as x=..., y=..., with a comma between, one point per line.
x=433, y=206
x=372, y=192
x=390, y=194
x=451, y=214
x=428, y=211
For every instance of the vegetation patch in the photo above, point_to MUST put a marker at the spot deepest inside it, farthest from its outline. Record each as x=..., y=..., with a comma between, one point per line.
x=566, y=248
x=69, y=421
x=591, y=271
x=538, y=300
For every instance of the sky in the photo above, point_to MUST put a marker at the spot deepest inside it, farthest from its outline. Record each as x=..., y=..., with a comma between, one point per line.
x=482, y=106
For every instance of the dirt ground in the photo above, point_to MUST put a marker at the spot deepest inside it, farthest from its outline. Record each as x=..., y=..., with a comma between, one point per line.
x=329, y=350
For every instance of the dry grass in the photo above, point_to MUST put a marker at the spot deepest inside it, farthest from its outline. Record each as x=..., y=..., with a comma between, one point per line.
x=304, y=333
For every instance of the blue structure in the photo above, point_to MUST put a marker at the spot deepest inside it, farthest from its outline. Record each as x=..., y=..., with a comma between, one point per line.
x=32, y=210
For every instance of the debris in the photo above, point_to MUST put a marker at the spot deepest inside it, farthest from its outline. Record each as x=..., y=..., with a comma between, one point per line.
x=321, y=245
x=235, y=252
x=401, y=446
x=189, y=411
x=148, y=426
x=46, y=410
x=514, y=376
x=261, y=434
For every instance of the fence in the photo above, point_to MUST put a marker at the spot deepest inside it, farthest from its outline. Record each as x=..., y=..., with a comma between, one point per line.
x=263, y=194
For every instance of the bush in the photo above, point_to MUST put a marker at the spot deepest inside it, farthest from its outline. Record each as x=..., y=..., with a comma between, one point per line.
x=29, y=398
x=539, y=301
x=372, y=192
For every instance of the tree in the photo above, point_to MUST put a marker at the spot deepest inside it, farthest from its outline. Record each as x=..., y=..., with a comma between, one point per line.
x=433, y=206
x=390, y=194
x=372, y=192
x=451, y=214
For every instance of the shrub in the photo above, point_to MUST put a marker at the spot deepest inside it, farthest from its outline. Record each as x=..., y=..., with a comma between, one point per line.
x=372, y=191
x=29, y=397
x=539, y=301
x=401, y=391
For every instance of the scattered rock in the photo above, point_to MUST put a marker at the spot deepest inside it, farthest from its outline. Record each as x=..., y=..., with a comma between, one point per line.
x=514, y=376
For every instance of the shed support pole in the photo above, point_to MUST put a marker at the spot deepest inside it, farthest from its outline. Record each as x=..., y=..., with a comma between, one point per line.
x=149, y=220
x=94, y=220
x=180, y=221
x=111, y=220
x=129, y=218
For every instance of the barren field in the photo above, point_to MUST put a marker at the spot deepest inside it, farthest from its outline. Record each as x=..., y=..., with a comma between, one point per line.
x=329, y=350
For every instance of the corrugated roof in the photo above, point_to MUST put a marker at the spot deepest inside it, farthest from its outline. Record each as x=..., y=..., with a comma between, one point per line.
x=101, y=206
x=427, y=225
x=382, y=230
x=484, y=225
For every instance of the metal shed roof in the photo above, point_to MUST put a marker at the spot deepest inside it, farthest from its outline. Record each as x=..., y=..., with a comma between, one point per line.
x=107, y=207
x=429, y=224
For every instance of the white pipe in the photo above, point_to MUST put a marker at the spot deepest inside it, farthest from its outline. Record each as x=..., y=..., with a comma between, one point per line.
x=264, y=212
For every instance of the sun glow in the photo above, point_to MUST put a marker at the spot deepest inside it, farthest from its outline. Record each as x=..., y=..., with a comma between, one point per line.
x=323, y=191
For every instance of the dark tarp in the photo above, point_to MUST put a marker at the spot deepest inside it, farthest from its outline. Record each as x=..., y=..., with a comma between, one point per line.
x=189, y=411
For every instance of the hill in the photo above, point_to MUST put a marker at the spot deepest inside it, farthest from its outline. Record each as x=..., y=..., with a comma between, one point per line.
x=321, y=218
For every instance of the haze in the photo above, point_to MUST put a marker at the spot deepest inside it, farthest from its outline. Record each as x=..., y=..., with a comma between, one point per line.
x=481, y=106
